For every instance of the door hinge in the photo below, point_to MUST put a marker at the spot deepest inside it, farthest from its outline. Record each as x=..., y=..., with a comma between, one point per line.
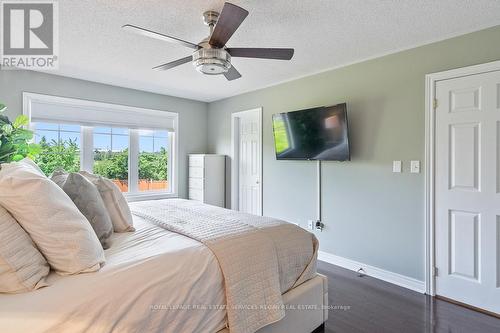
x=435, y=103
x=435, y=271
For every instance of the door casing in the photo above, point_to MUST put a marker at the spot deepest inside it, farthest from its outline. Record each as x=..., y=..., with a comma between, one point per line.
x=430, y=125
x=235, y=149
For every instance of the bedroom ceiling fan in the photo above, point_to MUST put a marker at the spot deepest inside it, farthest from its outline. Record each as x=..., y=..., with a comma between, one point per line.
x=211, y=56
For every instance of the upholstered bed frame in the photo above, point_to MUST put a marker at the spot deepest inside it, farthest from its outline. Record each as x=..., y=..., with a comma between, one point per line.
x=310, y=300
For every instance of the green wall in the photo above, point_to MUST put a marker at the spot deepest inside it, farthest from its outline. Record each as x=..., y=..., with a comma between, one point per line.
x=371, y=214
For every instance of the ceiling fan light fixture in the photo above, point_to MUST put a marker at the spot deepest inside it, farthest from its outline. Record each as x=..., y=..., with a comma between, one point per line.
x=211, y=55
x=212, y=61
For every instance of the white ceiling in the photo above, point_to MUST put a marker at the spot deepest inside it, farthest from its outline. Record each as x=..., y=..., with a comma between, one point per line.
x=324, y=33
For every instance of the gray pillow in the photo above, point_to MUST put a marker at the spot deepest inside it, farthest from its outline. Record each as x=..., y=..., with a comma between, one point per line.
x=88, y=201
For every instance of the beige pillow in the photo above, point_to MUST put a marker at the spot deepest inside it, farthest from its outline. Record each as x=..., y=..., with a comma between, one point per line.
x=61, y=233
x=88, y=200
x=32, y=164
x=22, y=266
x=115, y=202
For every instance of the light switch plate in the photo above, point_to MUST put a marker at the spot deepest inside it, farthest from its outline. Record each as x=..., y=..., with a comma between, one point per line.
x=415, y=166
x=397, y=166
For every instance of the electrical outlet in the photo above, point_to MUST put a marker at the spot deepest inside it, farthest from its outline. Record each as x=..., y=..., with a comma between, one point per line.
x=310, y=224
x=319, y=225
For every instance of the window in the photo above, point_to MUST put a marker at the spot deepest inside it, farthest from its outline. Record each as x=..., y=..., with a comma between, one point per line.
x=111, y=154
x=153, y=160
x=60, y=147
x=133, y=147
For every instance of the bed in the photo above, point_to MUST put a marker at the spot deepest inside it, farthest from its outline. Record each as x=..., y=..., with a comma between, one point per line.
x=154, y=280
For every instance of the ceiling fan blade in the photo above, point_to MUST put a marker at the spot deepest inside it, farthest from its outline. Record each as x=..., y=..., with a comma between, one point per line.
x=263, y=53
x=174, y=63
x=232, y=74
x=157, y=35
x=229, y=20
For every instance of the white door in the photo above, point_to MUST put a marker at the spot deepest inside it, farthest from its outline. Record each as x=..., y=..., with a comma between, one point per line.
x=250, y=200
x=467, y=194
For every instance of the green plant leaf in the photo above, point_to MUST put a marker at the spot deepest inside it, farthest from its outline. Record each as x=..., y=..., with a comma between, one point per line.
x=7, y=150
x=4, y=120
x=21, y=134
x=20, y=121
x=17, y=157
x=14, y=139
x=34, y=149
x=6, y=146
x=7, y=129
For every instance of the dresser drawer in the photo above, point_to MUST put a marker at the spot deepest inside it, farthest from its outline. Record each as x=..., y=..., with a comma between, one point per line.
x=195, y=194
x=195, y=161
x=196, y=183
x=195, y=172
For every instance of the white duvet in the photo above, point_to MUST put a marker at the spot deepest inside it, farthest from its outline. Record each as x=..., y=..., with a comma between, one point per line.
x=260, y=257
x=153, y=281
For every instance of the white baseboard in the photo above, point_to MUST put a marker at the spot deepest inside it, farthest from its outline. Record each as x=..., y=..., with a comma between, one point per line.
x=378, y=273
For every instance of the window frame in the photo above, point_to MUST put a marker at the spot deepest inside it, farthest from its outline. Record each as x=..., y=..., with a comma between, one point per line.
x=87, y=140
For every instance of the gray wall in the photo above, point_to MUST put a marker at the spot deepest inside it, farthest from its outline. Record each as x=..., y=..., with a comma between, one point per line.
x=371, y=214
x=192, y=114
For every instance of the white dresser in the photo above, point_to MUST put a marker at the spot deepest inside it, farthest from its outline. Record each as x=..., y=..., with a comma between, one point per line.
x=207, y=178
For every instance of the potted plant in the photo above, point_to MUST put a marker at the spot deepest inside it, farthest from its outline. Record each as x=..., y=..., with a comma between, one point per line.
x=15, y=140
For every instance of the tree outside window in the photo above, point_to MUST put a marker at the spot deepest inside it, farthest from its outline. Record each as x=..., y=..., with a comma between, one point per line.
x=60, y=148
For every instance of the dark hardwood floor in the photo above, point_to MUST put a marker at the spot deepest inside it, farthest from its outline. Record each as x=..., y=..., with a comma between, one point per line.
x=375, y=306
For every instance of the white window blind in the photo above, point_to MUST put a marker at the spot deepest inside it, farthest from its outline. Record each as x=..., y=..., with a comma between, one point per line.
x=138, y=132
x=87, y=113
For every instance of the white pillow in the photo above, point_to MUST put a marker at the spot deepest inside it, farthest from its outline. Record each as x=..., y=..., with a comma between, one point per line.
x=56, y=226
x=32, y=164
x=22, y=266
x=115, y=202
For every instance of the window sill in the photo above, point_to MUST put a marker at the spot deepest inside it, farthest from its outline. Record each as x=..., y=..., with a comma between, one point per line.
x=149, y=196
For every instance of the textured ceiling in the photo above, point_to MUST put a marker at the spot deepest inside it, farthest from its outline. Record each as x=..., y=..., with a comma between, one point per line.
x=324, y=33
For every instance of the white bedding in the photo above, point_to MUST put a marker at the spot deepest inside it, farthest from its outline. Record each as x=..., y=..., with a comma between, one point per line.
x=260, y=257
x=145, y=272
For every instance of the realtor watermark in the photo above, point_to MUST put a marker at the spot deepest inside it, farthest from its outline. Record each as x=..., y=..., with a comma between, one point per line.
x=29, y=35
x=288, y=307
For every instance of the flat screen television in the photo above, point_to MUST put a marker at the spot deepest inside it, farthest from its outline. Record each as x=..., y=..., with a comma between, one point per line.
x=313, y=134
